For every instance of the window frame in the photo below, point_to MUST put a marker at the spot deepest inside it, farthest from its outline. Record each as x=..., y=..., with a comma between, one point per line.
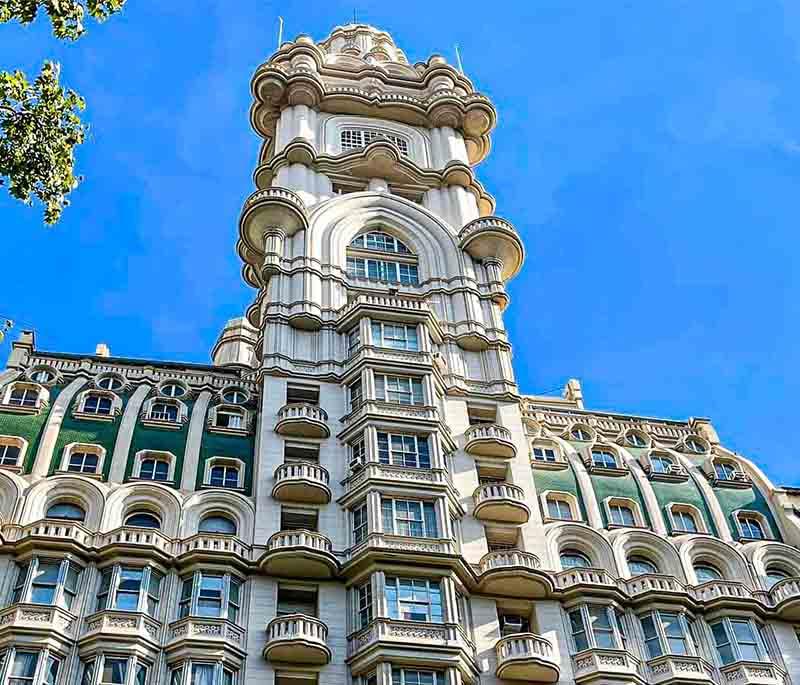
x=143, y=456
x=85, y=448
x=24, y=583
x=13, y=442
x=424, y=506
x=395, y=600
x=416, y=390
x=682, y=509
x=662, y=639
x=45, y=658
x=359, y=528
x=733, y=642
x=229, y=609
x=390, y=452
x=410, y=335
x=184, y=671
x=132, y=667
x=760, y=520
x=225, y=463
x=570, y=552
x=146, y=601
x=584, y=611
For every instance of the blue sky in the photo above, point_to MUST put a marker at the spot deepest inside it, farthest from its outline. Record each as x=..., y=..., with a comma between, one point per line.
x=648, y=152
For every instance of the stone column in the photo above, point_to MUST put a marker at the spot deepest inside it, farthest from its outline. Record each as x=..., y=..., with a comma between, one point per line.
x=122, y=446
x=44, y=455
x=191, y=457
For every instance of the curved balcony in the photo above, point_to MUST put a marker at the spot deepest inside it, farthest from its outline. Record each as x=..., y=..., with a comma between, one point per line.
x=302, y=420
x=513, y=573
x=527, y=657
x=606, y=665
x=302, y=482
x=728, y=593
x=491, y=237
x=297, y=639
x=500, y=502
x=489, y=440
x=671, y=668
x=785, y=597
x=299, y=554
x=265, y=209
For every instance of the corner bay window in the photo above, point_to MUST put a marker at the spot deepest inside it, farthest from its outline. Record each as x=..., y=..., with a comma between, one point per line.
x=360, y=524
x=406, y=676
x=114, y=670
x=413, y=599
x=20, y=667
x=403, y=450
x=46, y=581
x=210, y=595
x=595, y=626
x=395, y=336
x=665, y=632
x=125, y=588
x=738, y=639
x=193, y=673
x=411, y=518
x=398, y=389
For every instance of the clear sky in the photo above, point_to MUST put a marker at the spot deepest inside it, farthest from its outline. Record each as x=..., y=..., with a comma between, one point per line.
x=648, y=153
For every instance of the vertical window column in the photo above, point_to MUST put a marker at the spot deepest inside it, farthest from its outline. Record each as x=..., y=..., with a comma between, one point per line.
x=371, y=444
x=374, y=516
x=424, y=337
x=368, y=383
x=365, y=331
x=428, y=392
x=449, y=601
x=442, y=518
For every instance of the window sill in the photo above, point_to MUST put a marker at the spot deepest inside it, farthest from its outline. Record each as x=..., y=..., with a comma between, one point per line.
x=66, y=472
x=138, y=479
x=15, y=409
x=668, y=477
x=14, y=468
x=731, y=484
x=549, y=465
x=167, y=425
x=208, y=486
x=622, y=526
x=85, y=416
x=548, y=519
x=615, y=472
x=223, y=430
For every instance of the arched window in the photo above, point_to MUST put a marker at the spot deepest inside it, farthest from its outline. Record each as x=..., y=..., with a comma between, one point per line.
x=110, y=383
x=234, y=396
x=218, y=524
x=571, y=558
x=696, y=445
x=661, y=463
x=98, y=403
x=143, y=519
x=164, y=411
x=154, y=469
x=750, y=526
x=67, y=511
x=173, y=390
x=43, y=376
x=706, y=573
x=580, y=434
x=23, y=395
x=685, y=519
x=638, y=566
x=559, y=507
x=604, y=459
x=776, y=575
x=382, y=242
x=636, y=439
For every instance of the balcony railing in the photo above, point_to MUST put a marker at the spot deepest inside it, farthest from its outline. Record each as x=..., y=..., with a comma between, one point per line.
x=513, y=573
x=302, y=419
x=32, y=618
x=489, y=440
x=302, y=482
x=205, y=629
x=298, y=554
x=120, y=624
x=507, y=559
x=297, y=638
x=413, y=635
x=501, y=502
x=525, y=656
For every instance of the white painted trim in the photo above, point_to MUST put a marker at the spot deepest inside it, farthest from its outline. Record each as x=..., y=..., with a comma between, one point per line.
x=122, y=446
x=191, y=456
x=225, y=461
x=141, y=455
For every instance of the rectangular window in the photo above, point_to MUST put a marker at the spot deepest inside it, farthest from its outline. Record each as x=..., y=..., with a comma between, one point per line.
x=130, y=589
x=410, y=518
x=403, y=450
x=356, y=395
x=360, y=528
x=406, y=676
x=684, y=521
x=358, y=453
x=364, y=597
x=296, y=600
x=302, y=394
x=114, y=671
x=546, y=454
x=23, y=668
x=382, y=270
x=559, y=509
x=395, y=336
x=353, y=340
x=399, y=389
x=294, y=452
x=299, y=519
x=411, y=599
x=622, y=515
x=592, y=625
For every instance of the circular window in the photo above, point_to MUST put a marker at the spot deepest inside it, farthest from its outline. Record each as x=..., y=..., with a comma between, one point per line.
x=695, y=445
x=66, y=511
x=173, y=390
x=43, y=376
x=143, y=519
x=775, y=575
x=581, y=434
x=221, y=525
x=706, y=573
x=110, y=383
x=635, y=439
x=234, y=396
x=639, y=566
x=573, y=559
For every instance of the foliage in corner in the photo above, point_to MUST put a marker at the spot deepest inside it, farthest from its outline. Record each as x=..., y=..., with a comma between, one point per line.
x=67, y=16
x=39, y=129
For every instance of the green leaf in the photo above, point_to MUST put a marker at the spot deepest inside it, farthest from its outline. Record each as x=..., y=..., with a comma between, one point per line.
x=66, y=16
x=39, y=129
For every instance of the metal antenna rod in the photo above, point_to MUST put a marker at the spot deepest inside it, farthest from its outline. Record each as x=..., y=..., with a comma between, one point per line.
x=458, y=59
x=280, y=31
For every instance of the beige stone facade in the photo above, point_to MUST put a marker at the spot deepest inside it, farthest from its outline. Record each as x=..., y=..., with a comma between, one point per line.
x=355, y=490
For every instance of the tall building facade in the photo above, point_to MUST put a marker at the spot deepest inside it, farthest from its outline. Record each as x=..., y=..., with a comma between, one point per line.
x=355, y=491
